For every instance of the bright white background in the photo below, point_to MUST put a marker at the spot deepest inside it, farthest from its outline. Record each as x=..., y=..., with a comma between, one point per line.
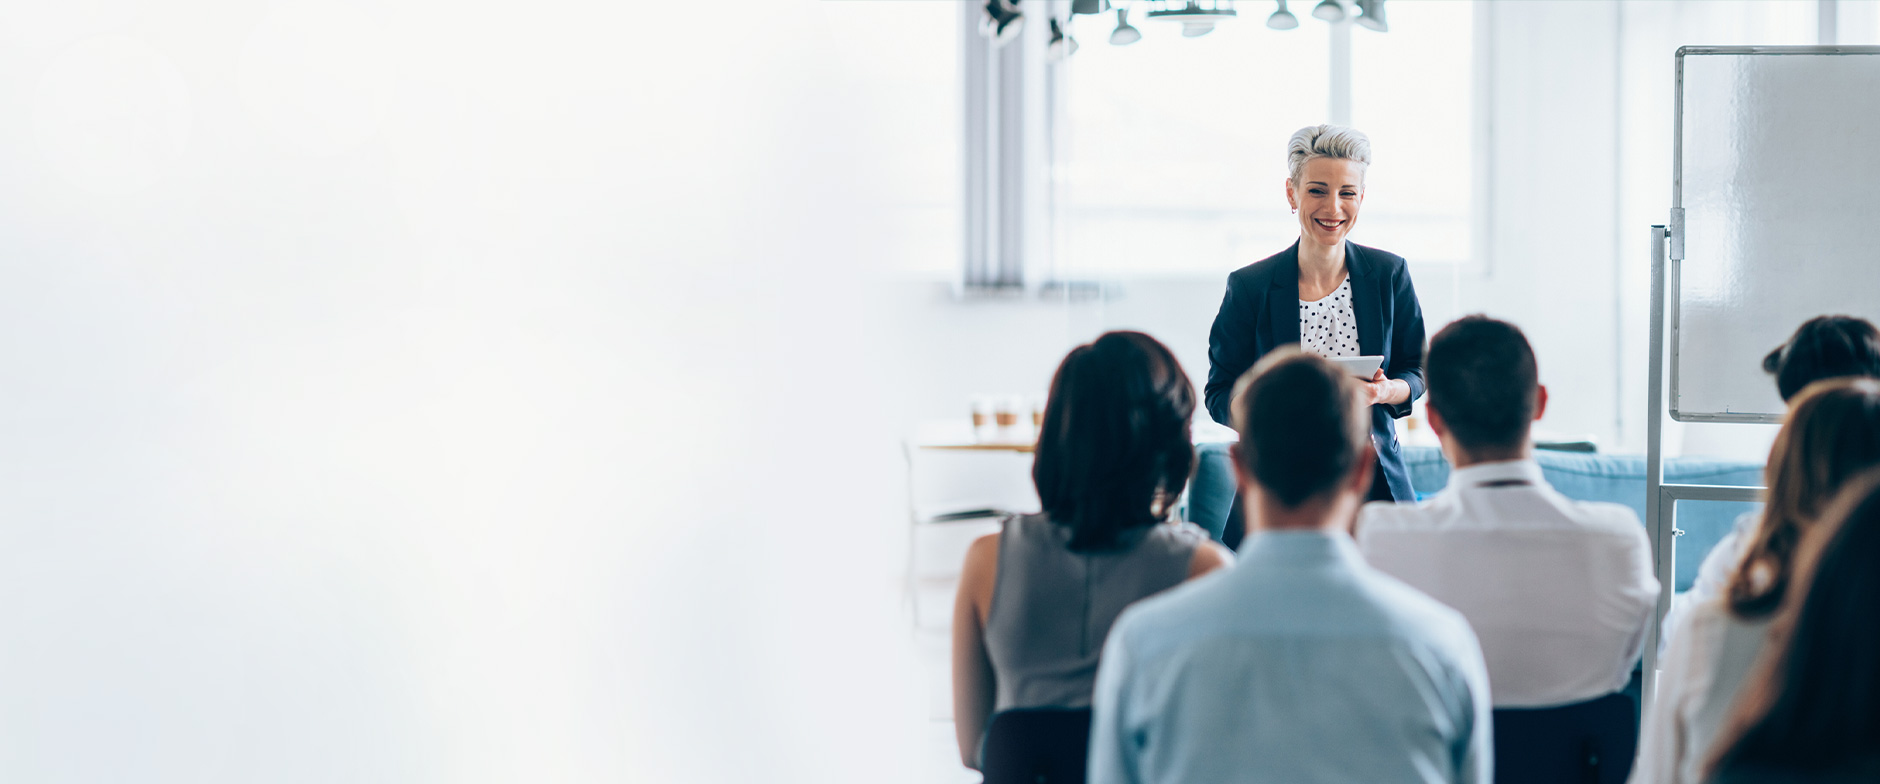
x=414, y=391
x=418, y=391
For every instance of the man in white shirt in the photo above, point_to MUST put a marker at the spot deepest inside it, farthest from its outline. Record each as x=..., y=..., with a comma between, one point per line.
x=1559, y=591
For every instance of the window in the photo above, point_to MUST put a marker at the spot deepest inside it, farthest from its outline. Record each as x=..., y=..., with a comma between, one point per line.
x=1412, y=92
x=1857, y=22
x=1172, y=154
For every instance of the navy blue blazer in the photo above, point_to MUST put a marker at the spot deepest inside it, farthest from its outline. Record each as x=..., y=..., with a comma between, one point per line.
x=1261, y=313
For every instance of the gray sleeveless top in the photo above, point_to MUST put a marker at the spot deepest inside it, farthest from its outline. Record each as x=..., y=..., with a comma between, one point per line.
x=1051, y=608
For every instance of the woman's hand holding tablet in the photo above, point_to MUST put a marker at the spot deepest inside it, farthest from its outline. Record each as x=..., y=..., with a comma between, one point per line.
x=1362, y=367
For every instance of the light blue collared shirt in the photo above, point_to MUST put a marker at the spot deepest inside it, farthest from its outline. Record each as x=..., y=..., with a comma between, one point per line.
x=1300, y=664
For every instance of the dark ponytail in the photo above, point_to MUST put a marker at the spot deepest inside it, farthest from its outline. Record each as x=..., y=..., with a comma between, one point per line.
x=1115, y=449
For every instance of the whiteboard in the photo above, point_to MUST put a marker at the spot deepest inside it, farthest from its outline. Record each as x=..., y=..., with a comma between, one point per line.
x=1777, y=173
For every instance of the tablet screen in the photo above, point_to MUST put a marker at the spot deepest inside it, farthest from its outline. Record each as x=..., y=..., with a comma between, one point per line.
x=1362, y=367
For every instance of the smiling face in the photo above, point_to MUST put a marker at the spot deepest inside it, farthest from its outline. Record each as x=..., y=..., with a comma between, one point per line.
x=1327, y=196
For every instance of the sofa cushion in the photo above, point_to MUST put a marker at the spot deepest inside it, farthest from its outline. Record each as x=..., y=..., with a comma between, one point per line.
x=1579, y=475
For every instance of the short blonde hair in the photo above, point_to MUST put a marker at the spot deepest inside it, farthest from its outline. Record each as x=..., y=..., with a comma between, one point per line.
x=1326, y=141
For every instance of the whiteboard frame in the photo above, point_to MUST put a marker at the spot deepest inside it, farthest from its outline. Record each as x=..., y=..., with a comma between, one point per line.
x=1676, y=229
x=1667, y=256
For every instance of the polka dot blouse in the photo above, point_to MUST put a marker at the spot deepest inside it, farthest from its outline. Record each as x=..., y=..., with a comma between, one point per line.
x=1329, y=327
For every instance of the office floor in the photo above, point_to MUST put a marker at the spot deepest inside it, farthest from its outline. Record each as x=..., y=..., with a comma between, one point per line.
x=938, y=549
x=941, y=748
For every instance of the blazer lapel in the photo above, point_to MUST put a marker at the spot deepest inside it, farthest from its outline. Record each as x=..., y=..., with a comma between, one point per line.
x=1366, y=304
x=1282, y=300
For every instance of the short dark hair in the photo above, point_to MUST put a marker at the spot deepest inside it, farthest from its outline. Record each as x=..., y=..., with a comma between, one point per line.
x=1301, y=424
x=1483, y=381
x=1824, y=347
x=1115, y=436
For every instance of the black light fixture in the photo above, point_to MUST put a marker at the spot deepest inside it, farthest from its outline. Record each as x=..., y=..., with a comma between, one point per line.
x=1002, y=21
x=1198, y=17
x=1282, y=19
x=1371, y=14
x=1062, y=45
x=1124, y=34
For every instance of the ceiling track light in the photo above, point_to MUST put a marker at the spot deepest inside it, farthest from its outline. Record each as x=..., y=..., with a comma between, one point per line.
x=1002, y=21
x=1197, y=17
x=1282, y=19
x=1062, y=45
x=1371, y=15
x=1124, y=34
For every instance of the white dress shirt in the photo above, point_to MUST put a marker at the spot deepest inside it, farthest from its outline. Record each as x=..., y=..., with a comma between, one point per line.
x=1711, y=652
x=1559, y=591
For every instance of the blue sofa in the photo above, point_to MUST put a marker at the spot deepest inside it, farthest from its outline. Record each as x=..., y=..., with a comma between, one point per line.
x=1586, y=476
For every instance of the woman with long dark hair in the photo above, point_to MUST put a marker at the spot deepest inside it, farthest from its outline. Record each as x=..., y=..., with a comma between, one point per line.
x=1036, y=599
x=1832, y=434
x=1811, y=713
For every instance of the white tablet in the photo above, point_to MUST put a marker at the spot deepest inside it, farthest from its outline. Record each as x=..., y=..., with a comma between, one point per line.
x=1362, y=367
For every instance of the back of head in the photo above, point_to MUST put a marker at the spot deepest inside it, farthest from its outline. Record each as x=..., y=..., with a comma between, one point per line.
x=1483, y=382
x=1832, y=434
x=1301, y=425
x=1816, y=703
x=1325, y=141
x=1115, y=447
x=1824, y=347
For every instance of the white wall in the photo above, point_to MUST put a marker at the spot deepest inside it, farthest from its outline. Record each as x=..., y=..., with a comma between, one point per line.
x=1550, y=264
x=420, y=391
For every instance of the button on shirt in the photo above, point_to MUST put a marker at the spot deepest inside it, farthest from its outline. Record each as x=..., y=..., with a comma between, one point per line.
x=1301, y=664
x=1559, y=591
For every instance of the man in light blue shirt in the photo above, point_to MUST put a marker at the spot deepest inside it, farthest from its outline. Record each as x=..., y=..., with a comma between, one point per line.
x=1301, y=664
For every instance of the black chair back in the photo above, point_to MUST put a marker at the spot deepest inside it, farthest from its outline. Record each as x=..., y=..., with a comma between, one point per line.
x=1590, y=742
x=1037, y=746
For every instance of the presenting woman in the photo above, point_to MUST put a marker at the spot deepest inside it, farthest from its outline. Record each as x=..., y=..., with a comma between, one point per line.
x=1333, y=297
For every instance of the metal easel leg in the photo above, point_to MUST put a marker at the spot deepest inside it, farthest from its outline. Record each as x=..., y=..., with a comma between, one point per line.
x=1659, y=510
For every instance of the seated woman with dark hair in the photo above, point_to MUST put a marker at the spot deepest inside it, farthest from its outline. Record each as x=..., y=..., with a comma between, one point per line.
x=1823, y=347
x=1832, y=434
x=1036, y=600
x=1811, y=712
